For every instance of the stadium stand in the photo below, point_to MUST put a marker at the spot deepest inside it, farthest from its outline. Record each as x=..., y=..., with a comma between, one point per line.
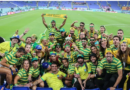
x=93, y=4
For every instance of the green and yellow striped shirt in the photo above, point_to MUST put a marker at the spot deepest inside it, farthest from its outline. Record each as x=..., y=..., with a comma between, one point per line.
x=34, y=72
x=28, y=56
x=52, y=30
x=23, y=77
x=70, y=69
x=11, y=58
x=112, y=67
x=86, y=51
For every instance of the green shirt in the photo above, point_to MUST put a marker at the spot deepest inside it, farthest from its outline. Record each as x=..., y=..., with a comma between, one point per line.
x=23, y=77
x=68, y=70
x=112, y=67
x=34, y=72
x=34, y=45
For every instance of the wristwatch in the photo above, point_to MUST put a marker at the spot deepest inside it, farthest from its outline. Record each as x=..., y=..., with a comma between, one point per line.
x=10, y=66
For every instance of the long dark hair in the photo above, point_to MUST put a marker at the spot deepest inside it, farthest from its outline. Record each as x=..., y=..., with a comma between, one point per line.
x=103, y=49
x=98, y=53
x=120, y=54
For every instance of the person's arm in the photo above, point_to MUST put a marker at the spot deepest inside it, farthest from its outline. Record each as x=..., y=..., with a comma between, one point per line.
x=25, y=32
x=119, y=78
x=63, y=22
x=43, y=20
x=72, y=25
x=99, y=71
x=81, y=84
x=29, y=77
x=16, y=80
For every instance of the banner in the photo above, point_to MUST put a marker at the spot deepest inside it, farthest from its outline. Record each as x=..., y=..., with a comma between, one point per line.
x=63, y=16
x=9, y=13
x=126, y=8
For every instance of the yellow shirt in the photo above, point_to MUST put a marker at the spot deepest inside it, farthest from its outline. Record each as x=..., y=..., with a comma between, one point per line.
x=110, y=42
x=6, y=47
x=53, y=81
x=82, y=71
x=43, y=47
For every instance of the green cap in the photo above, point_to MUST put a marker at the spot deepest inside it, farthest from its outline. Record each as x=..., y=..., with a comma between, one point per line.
x=62, y=30
x=34, y=59
x=80, y=55
x=67, y=45
x=53, y=21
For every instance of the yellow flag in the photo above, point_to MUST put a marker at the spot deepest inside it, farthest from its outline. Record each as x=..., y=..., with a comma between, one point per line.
x=63, y=16
x=125, y=84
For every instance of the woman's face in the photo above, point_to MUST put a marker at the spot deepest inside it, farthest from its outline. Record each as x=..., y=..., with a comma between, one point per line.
x=67, y=49
x=26, y=65
x=93, y=59
x=28, y=48
x=104, y=42
x=123, y=47
x=94, y=50
x=35, y=63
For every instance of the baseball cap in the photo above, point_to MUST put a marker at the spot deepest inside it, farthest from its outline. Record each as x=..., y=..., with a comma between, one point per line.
x=53, y=21
x=52, y=53
x=34, y=59
x=80, y=56
x=45, y=65
x=51, y=34
x=39, y=47
x=62, y=30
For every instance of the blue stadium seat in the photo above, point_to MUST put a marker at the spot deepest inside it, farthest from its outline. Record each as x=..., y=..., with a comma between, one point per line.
x=116, y=89
x=68, y=89
x=20, y=88
x=93, y=89
x=39, y=88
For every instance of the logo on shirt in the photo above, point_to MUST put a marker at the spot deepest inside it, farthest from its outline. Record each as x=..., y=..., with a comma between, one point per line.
x=58, y=76
x=85, y=70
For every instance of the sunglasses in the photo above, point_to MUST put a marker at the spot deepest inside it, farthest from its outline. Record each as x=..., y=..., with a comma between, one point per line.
x=91, y=26
x=58, y=47
x=81, y=25
x=92, y=39
x=83, y=41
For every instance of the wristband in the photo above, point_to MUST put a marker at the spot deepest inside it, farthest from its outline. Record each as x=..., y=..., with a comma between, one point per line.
x=15, y=84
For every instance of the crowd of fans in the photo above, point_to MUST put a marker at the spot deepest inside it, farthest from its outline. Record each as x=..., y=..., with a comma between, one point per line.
x=91, y=59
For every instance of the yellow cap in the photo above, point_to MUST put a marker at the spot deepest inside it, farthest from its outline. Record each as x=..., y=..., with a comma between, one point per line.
x=124, y=41
x=108, y=50
x=72, y=28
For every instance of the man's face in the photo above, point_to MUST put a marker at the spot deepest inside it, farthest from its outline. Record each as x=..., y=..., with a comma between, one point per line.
x=58, y=48
x=33, y=38
x=71, y=31
x=68, y=42
x=54, y=68
x=96, y=36
x=62, y=34
x=80, y=60
x=38, y=50
x=116, y=41
x=91, y=27
x=19, y=54
x=81, y=26
x=35, y=63
x=102, y=29
x=52, y=37
x=44, y=42
x=14, y=40
x=120, y=34
x=65, y=63
x=67, y=49
x=82, y=35
x=84, y=42
x=28, y=40
x=109, y=57
x=53, y=24
x=93, y=59
x=53, y=57
x=92, y=41
x=123, y=47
